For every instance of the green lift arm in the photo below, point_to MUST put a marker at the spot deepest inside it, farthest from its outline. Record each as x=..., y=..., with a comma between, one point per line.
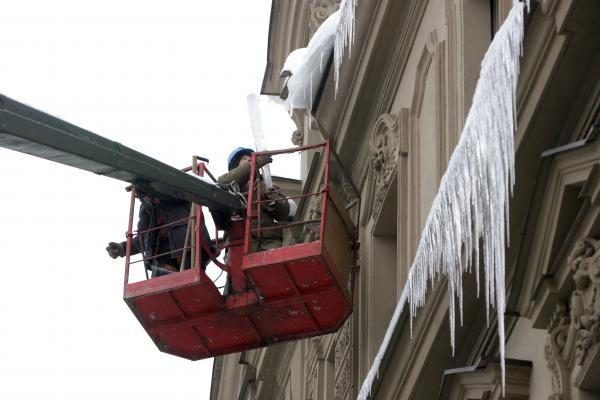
x=27, y=130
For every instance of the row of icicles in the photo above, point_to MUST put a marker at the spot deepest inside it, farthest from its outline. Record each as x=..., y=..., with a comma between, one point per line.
x=468, y=220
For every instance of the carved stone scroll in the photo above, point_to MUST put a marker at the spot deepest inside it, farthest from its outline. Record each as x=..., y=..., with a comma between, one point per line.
x=554, y=351
x=319, y=11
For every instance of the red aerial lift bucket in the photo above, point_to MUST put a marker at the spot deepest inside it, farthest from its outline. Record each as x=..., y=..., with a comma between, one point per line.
x=287, y=293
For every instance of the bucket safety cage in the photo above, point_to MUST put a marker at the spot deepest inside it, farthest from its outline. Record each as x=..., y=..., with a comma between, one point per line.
x=299, y=286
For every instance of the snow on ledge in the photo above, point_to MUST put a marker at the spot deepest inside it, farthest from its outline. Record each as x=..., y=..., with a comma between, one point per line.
x=305, y=65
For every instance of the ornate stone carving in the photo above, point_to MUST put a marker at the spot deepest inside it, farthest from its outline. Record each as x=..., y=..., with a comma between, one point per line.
x=554, y=349
x=314, y=354
x=585, y=300
x=343, y=362
x=297, y=138
x=575, y=326
x=384, y=155
x=342, y=384
x=312, y=231
x=342, y=343
x=347, y=190
x=319, y=11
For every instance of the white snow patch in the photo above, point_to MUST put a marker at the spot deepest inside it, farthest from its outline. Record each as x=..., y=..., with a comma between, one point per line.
x=305, y=65
x=471, y=206
x=293, y=62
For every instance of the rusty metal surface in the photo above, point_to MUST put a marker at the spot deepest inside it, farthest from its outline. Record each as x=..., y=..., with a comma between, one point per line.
x=294, y=295
x=287, y=293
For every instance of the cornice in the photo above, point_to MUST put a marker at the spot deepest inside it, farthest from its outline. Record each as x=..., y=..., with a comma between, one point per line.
x=288, y=30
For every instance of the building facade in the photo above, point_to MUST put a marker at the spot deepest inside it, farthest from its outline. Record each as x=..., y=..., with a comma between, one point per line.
x=403, y=96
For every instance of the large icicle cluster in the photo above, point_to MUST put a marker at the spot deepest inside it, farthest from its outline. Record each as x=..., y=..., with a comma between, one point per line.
x=344, y=36
x=306, y=65
x=470, y=211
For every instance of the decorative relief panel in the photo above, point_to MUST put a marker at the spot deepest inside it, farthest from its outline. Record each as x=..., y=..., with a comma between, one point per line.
x=312, y=231
x=343, y=362
x=342, y=343
x=343, y=381
x=585, y=300
x=319, y=11
x=554, y=349
x=575, y=327
x=312, y=359
x=384, y=152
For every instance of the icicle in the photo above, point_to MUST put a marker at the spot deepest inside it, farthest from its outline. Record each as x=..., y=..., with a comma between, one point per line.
x=257, y=130
x=321, y=62
x=306, y=65
x=335, y=34
x=344, y=37
x=310, y=103
x=471, y=207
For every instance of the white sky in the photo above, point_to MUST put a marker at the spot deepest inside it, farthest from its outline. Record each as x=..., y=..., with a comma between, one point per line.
x=168, y=79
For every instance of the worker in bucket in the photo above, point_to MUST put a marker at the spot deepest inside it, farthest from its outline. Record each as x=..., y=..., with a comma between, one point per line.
x=275, y=207
x=163, y=248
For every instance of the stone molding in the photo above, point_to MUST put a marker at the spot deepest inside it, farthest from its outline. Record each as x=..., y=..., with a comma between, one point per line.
x=567, y=204
x=313, y=357
x=430, y=70
x=548, y=6
x=432, y=60
x=485, y=382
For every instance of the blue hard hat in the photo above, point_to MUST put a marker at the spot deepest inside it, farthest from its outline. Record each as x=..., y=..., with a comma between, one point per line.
x=235, y=156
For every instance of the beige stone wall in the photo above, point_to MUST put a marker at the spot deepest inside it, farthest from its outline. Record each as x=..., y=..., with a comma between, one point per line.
x=528, y=343
x=402, y=101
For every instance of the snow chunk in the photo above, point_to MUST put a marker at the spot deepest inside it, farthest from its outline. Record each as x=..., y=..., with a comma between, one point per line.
x=293, y=62
x=306, y=65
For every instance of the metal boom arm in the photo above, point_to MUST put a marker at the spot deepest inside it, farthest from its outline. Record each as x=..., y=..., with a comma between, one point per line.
x=27, y=130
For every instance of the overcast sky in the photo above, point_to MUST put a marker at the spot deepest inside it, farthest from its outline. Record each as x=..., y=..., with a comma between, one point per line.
x=169, y=79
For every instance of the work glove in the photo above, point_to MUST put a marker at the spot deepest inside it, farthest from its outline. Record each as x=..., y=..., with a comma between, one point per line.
x=263, y=160
x=115, y=250
x=273, y=194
